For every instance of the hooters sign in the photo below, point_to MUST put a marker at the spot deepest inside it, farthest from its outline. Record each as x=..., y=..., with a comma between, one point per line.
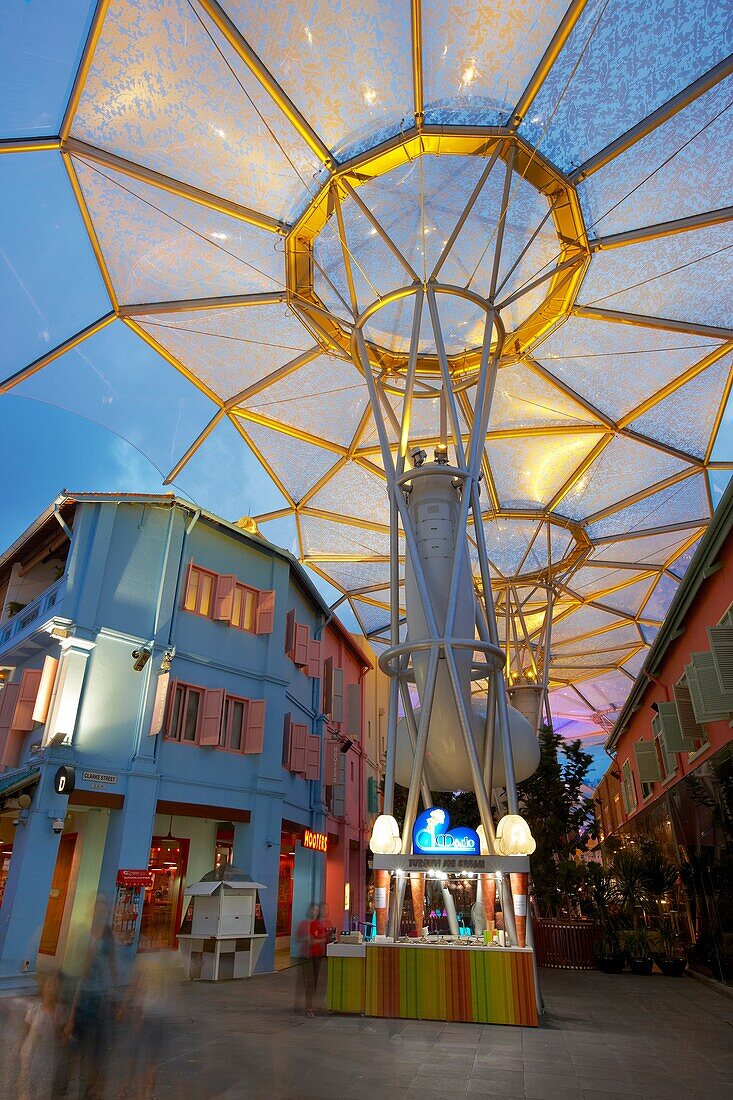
x=317, y=841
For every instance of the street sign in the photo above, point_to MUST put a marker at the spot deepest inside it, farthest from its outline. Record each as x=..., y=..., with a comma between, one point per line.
x=133, y=877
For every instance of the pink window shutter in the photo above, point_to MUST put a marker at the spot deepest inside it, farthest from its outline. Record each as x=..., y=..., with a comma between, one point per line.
x=302, y=638
x=254, y=737
x=313, y=757
x=314, y=659
x=8, y=699
x=265, y=614
x=298, y=747
x=23, y=712
x=224, y=597
x=211, y=720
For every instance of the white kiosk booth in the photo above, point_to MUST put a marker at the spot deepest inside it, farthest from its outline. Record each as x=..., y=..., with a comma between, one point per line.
x=226, y=928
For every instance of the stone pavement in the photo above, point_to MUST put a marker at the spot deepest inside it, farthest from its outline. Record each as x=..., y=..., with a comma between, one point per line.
x=602, y=1036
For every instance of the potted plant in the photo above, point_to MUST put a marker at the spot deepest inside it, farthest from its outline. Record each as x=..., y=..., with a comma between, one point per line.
x=671, y=961
x=601, y=894
x=610, y=958
x=640, y=957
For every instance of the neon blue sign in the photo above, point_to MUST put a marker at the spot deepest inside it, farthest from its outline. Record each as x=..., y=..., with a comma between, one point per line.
x=431, y=835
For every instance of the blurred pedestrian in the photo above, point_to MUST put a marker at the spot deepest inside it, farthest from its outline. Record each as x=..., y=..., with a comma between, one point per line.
x=312, y=935
x=145, y=1011
x=40, y=1040
x=90, y=1018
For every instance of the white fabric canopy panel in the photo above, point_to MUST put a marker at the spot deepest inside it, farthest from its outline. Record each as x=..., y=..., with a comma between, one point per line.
x=250, y=177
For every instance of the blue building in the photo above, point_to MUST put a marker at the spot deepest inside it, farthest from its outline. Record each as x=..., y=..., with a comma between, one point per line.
x=155, y=716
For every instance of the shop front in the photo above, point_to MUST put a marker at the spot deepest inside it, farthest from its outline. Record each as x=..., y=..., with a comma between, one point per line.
x=460, y=952
x=301, y=883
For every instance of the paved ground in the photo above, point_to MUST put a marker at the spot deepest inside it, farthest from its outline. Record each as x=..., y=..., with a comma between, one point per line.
x=603, y=1036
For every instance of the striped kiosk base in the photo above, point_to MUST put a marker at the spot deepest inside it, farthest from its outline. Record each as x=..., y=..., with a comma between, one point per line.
x=490, y=986
x=345, y=991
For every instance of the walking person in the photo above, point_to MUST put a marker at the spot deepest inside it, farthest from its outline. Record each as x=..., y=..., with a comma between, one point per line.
x=312, y=935
x=90, y=1018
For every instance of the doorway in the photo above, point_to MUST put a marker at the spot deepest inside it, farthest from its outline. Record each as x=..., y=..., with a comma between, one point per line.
x=163, y=904
x=57, y=897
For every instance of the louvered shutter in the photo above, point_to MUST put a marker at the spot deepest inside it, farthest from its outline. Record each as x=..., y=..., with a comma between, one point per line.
x=23, y=713
x=45, y=689
x=337, y=708
x=721, y=648
x=313, y=756
x=302, y=638
x=8, y=699
x=372, y=796
x=688, y=723
x=353, y=711
x=667, y=722
x=298, y=748
x=314, y=659
x=338, y=802
x=254, y=737
x=328, y=685
x=211, y=718
x=265, y=613
x=647, y=762
x=331, y=762
x=290, y=625
x=224, y=597
x=708, y=701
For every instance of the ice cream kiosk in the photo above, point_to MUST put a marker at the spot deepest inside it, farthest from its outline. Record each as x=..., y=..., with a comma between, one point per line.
x=469, y=972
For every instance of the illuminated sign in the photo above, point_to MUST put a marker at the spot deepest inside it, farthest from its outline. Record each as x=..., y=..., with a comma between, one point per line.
x=431, y=835
x=64, y=780
x=132, y=878
x=317, y=841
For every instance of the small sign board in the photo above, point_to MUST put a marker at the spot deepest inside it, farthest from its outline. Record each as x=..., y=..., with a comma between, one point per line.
x=64, y=780
x=133, y=877
x=99, y=780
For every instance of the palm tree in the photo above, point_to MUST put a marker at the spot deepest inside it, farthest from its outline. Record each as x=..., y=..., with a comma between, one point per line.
x=626, y=869
x=659, y=877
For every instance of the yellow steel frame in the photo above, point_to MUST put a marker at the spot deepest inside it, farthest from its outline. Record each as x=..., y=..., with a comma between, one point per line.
x=562, y=283
x=335, y=334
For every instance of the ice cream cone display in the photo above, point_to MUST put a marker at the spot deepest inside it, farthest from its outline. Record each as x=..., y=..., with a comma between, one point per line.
x=417, y=887
x=519, y=894
x=381, y=900
x=488, y=894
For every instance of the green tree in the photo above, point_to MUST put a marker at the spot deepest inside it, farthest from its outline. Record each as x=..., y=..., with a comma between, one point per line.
x=561, y=818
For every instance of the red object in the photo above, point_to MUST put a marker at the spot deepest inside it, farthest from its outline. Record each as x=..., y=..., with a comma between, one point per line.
x=134, y=878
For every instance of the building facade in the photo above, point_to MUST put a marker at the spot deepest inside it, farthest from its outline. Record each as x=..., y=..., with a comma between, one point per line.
x=176, y=695
x=672, y=774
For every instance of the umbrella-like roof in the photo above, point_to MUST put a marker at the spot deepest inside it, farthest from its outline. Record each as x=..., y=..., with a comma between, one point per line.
x=252, y=176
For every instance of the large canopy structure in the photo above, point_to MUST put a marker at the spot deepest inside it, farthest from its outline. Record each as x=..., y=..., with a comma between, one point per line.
x=280, y=198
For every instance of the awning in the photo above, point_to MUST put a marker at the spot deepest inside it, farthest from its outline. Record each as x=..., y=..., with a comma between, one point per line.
x=15, y=782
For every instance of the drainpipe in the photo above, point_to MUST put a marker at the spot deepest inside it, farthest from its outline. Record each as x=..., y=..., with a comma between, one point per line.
x=176, y=596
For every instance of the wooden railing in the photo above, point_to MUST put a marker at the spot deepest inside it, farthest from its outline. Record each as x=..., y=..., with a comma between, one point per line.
x=565, y=945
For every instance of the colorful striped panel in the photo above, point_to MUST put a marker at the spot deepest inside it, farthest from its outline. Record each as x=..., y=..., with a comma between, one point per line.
x=345, y=990
x=472, y=986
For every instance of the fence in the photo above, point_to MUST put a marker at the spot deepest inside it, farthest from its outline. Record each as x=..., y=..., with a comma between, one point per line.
x=565, y=945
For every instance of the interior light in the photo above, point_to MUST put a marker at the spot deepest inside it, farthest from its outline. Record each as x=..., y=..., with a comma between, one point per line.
x=308, y=34
x=220, y=236
x=370, y=96
x=219, y=132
